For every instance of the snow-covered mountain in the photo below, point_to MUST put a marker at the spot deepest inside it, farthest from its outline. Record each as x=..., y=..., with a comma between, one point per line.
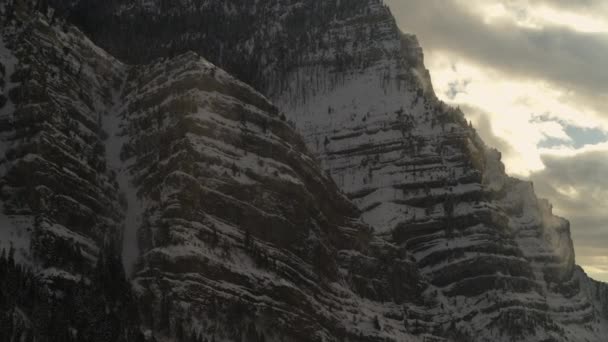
x=61, y=219
x=241, y=229
x=347, y=203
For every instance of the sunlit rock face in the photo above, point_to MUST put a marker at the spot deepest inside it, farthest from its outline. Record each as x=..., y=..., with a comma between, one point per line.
x=501, y=262
x=237, y=226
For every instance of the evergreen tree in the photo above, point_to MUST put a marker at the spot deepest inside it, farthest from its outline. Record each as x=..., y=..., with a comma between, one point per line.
x=377, y=323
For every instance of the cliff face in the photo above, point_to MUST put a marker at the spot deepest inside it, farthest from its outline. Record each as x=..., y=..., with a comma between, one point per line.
x=54, y=177
x=597, y=291
x=60, y=220
x=240, y=228
x=235, y=225
x=399, y=224
x=502, y=263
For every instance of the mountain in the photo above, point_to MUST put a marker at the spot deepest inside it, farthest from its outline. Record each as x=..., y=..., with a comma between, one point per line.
x=273, y=170
x=236, y=224
x=241, y=228
x=61, y=215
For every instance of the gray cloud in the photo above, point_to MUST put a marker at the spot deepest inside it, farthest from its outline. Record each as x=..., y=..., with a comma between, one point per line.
x=577, y=5
x=572, y=60
x=569, y=60
x=585, y=172
x=483, y=126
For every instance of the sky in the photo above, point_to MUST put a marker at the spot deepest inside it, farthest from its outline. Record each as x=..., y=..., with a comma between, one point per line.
x=532, y=76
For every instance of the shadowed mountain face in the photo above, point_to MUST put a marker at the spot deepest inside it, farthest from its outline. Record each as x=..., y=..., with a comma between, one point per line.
x=346, y=204
x=235, y=224
x=258, y=42
x=241, y=227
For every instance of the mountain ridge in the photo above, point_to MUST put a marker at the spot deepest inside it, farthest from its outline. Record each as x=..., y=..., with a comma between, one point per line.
x=459, y=250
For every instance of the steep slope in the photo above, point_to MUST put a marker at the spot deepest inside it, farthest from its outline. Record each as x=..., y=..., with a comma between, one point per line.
x=424, y=180
x=53, y=167
x=60, y=217
x=595, y=290
x=259, y=42
x=357, y=90
x=241, y=230
x=238, y=227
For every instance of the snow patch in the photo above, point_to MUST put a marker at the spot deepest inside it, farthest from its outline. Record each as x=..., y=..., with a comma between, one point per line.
x=112, y=123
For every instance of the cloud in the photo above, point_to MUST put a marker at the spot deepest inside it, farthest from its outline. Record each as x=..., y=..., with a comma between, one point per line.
x=583, y=6
x=573, y=61
x=577, y=185
x=483, y=125
x=518, y=116
x=531, y=76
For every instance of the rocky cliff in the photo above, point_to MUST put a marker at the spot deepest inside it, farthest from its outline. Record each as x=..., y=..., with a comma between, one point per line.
x=241, y=229
x=61, y=216
x=232, y=229
x=235, y=224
